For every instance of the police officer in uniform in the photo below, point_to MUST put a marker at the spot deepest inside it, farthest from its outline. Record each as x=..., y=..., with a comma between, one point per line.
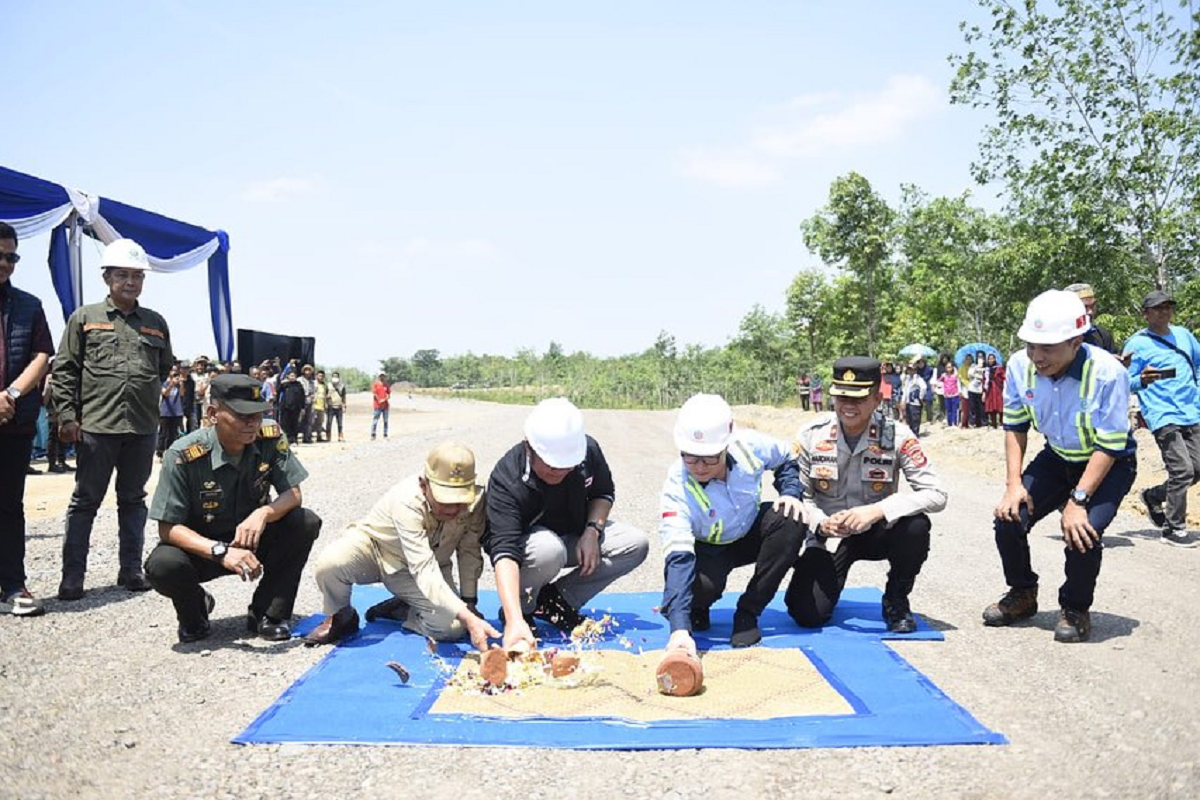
x=216, y=517
x=108, y=376
x=851, y=462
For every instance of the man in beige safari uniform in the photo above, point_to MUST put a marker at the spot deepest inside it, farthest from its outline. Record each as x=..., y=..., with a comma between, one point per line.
x=407, y=541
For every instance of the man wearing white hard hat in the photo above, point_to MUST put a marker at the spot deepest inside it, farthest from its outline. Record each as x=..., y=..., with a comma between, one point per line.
x=712, y=520
x=1077, y=396
x=548, y=501
x=108, y=376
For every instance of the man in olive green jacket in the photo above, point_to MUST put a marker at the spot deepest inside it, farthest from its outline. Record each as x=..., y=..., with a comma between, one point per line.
x=108, y=376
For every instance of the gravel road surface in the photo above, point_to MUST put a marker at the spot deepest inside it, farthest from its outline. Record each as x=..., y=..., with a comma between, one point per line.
x=98, y=700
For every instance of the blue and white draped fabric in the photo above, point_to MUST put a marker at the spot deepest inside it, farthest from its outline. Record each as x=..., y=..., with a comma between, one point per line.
x=34, y=206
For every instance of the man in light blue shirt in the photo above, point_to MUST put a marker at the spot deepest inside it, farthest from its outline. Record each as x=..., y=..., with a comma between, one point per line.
x=1077, y=396
x=713, y=520
x=1163, y=362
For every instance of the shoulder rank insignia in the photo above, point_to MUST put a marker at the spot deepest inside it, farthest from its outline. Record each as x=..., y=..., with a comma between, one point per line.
x=281, y=444
x=193, y=452
x=269, y=429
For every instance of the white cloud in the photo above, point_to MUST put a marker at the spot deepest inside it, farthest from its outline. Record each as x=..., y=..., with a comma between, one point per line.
x=735, y=170
x=821, y=123
x=276, y=189
x=869, y=119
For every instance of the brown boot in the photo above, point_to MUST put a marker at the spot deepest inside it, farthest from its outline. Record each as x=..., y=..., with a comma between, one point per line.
x=333, y=628
x=1018, y=604
x=1073, y=626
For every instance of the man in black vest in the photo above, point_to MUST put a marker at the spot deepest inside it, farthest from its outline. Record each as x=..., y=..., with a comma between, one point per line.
x=25, y=348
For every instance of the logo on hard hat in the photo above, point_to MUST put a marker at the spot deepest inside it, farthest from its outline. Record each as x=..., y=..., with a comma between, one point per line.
x=1037, y=323
x=698, y=436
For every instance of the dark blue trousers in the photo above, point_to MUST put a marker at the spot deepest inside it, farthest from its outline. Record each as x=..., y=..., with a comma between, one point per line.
x=1050, y=479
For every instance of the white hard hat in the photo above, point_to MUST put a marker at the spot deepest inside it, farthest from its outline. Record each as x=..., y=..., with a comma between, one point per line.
x=124, y=254
x=704, y=425
x=1053, y=317
x=554, y=429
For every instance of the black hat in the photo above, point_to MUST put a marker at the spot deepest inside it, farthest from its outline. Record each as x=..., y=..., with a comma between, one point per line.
x=1156, y=298
x=854, y=376
x=240, y=392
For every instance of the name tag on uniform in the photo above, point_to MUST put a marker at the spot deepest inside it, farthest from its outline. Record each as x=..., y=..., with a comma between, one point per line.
x=823, y=472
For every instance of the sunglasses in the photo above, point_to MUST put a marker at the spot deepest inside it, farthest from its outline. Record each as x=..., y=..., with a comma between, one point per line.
x=708, y=461
x=11, y=258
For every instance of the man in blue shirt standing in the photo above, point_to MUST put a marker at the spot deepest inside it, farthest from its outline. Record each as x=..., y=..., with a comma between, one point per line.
x=1163, y=361
x=1077, y=396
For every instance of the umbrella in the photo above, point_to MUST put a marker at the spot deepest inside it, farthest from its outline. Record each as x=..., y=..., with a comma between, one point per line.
x=917, y=351
x=960, y=355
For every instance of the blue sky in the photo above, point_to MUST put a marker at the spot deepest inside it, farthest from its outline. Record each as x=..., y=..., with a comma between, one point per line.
x=482, y=176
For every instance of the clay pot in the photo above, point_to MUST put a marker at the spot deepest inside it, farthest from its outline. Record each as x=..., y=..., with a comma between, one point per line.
x=564, y=664
x=680, y=674
x=493, y=666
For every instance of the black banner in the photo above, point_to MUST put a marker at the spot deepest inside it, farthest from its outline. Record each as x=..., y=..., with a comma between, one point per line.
x=254, y=347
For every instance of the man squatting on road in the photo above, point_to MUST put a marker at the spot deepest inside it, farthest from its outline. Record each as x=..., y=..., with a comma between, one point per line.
x=408, y=542
x=1077, y=396
x=548, y=500
x=852, y=461
x=713, y=520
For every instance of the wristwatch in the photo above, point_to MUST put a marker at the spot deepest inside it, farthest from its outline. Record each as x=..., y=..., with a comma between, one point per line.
x=1080, y=498
x=13, y=392
x=219, y=550
x=599, y=526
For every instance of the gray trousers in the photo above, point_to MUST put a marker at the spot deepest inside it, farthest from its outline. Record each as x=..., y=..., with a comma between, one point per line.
x=548, y=553
x=97, y=455
x=1180, y=446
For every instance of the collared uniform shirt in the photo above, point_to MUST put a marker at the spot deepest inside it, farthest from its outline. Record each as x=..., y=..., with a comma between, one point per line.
x=719, y=512
x=837, y=477
x=202, y=487
x=1084, y=410
x=1169, y=401
x=407, y=536
x=110, y=367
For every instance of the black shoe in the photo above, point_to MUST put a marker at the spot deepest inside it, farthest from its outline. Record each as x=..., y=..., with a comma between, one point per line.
x=701, y=619
x=57, y=468
x=898, y=616
x=71, y=588
x=133, y=580
x=32, y=470
x=1158, y=514
x=1177, y=537
x=555, y=609
x=198, y=629
x=530, y=620
x=269, y=628
x=745, y=630
x=394, y=608
x=66, y=467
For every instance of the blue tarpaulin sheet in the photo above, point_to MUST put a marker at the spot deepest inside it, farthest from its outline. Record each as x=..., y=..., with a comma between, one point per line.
x=350, y=697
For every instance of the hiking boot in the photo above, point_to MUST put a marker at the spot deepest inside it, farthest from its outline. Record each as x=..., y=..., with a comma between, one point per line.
x=745, y=630
x=71, y=588
x=394, y=608
x=898, y=616
x=1158, y=514
x=1073, y=626
x=554, y=608
x=1177, y=537
x=1018, y=604
x=701, y=619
